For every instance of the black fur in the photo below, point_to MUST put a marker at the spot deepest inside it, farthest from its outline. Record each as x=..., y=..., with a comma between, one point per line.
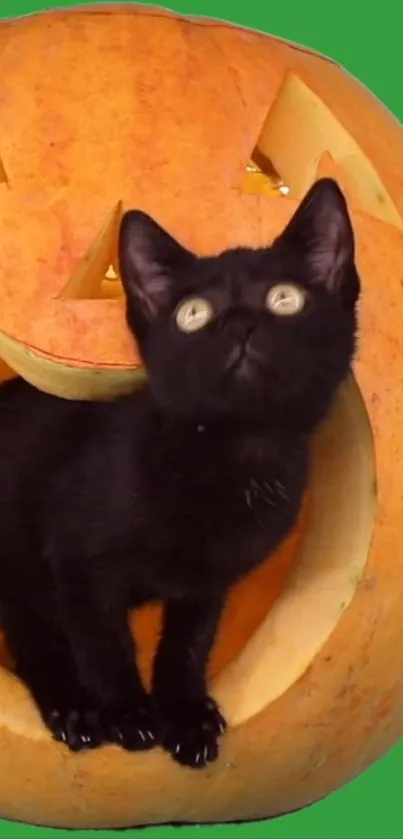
x=174, y=492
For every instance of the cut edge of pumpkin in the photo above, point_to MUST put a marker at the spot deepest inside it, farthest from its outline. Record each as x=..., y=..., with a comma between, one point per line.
x=68, y=381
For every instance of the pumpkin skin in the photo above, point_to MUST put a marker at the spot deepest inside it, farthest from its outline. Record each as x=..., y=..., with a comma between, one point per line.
x=139, y=108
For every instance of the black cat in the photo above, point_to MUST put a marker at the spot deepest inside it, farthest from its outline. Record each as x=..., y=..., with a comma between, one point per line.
x=176, y=491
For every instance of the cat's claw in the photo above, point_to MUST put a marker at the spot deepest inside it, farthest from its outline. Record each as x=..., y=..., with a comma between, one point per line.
x=191, y=732
x=135, y=729
x=77, y=729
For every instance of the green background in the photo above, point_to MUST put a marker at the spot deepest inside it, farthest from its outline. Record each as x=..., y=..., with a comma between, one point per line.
x=367, y=40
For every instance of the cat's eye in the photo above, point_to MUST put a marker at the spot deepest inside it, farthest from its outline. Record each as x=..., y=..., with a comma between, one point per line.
x=193, y=314
x=285, y=299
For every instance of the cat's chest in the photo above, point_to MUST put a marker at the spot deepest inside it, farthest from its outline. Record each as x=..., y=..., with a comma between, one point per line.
x=197, y=473
x=210, y=495
x=207, y=534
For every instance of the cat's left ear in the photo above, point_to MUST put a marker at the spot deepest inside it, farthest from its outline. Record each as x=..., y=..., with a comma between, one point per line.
x=148, y=260
x=320, y=234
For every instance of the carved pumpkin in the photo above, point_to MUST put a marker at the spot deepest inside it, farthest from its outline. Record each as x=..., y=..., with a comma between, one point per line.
x=216, y=132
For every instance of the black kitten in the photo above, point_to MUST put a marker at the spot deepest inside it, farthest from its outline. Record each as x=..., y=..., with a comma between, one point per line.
x=174, y=492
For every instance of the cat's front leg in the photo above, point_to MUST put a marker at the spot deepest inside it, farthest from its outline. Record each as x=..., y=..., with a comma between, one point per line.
x=43, y=661
x=95, y=617
x=191, y=720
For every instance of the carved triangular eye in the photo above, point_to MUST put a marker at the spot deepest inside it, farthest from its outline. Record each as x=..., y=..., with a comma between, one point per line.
x=288, y=157
x=97, y=274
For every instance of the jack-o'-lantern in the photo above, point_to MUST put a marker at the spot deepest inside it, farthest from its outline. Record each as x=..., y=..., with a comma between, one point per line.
x=216, y=132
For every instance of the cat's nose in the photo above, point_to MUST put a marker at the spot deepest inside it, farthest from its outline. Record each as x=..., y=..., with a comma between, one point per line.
x=240, y=325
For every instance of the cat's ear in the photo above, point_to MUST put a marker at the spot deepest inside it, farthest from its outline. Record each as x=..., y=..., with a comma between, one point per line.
x=148, y=260
x=320, y=234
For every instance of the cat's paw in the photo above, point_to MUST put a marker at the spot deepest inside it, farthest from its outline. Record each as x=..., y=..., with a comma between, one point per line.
x=78, y=729
x=135, y=728
x=191, y=729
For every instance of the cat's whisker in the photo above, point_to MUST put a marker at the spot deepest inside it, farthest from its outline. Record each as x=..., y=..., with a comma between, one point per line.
x=257, y=492
x=281, y=490
x=268, y=501
x=248, y=497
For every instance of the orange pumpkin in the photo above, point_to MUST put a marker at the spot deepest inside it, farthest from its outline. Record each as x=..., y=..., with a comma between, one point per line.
x=216, y=132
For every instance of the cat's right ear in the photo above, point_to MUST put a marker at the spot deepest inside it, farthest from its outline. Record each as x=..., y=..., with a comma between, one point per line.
x=148, y=260
x=320, y=236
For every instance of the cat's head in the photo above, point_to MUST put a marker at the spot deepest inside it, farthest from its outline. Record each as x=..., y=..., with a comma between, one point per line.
x=250, y=333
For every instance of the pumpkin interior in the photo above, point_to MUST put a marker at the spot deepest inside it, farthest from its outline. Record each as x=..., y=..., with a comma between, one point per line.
x=278, y=618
